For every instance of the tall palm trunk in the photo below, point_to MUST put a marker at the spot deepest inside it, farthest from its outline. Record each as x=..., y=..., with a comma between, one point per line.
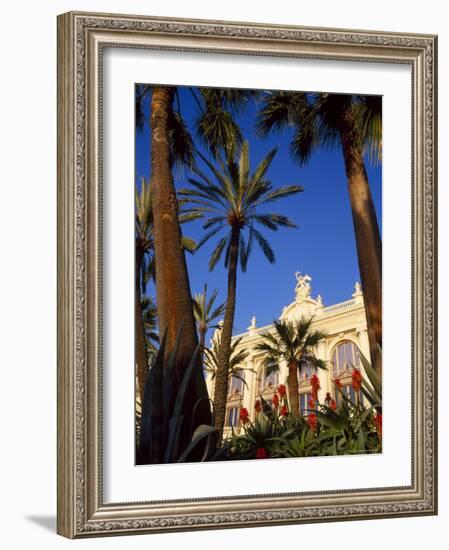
x=174, y=300
x=140, y=351
x=293, y=388
x=367, y=236
x=222, y=376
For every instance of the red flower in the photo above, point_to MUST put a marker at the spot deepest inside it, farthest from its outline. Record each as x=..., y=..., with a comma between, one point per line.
x=282, y=390
x=244, y=415
x=378, y=422
x=275, y=400
x=333, y=405
x=337, y=383
x=258, y=406
x=315, y=381
x=284, y=410
x=261, y=453
x=312, y=403
x=312, y=421
x=356, y=379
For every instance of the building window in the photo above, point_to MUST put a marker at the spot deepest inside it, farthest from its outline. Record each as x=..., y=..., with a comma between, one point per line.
x=304, y=400
x=307, y=369
x=344, y=358
x=232, y=417
x=349, y=392
x=267, y=381
x=236, y=384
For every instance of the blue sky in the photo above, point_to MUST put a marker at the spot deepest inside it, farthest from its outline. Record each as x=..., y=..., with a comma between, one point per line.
x=323, y=246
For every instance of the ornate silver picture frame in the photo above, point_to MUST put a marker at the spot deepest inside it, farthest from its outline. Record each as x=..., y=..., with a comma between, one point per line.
x=82, y=40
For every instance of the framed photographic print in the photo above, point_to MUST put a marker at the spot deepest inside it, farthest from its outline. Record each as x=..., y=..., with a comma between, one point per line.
x=246, y=274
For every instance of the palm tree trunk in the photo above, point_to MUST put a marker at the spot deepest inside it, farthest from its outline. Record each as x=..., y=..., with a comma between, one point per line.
x=202, y=345
x=293, y=388
x=174, y=300
x=367, y=236
x=222, y=377
x=140, y=348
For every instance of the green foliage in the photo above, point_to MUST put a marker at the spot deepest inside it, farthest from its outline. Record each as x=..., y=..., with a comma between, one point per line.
x=263, y=433
x=236, y=359
x=231, y=197
x=349, y=429
x=317, y=119
x=149, y=314
x=164, y=417
x=205, y=311
x=373, y=390
x=292, y=342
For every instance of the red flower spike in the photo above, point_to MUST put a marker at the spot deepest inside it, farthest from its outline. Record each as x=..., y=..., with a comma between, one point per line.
x=275, y=400
x=282, y=390
x=258, y=406
x=378, y=422
x=333, y=405
x=356, y=379
x=261, y=453
x=244, y=415
x=283, y=411
x=312, y=403
x=315, y=382
x=312, y=421
x=337, y=383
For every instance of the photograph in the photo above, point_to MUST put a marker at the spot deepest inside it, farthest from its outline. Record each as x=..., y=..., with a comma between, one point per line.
x=247, y=271
x=258, y=274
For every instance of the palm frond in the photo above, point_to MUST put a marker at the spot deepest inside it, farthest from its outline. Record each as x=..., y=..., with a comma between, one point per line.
x=189, y=244
x=217, y=252
x=280, y=193
x=182, y=148
x=264, y=245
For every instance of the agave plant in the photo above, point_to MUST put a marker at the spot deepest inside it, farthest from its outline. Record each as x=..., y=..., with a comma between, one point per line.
x=350, y=428
x=167, y=427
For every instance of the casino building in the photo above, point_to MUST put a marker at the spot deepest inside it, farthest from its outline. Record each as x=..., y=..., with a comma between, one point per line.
x=345, y=327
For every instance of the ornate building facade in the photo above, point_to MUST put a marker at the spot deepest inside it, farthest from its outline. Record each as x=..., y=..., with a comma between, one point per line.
x=345, y=327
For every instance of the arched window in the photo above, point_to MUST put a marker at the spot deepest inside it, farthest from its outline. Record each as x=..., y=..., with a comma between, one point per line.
x=236, y=384
x=268, y=381
x=232, y=417
x=307, y=369
x=344, y=358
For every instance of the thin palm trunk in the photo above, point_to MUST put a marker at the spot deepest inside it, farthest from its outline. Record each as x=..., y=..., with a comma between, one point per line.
x=202, y=345
x=293, y=388
x=221, y=379
x=140, y=351
x=174, y=300
x=367, y=236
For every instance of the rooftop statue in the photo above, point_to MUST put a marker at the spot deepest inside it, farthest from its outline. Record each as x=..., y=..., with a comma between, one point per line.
x=303, y=287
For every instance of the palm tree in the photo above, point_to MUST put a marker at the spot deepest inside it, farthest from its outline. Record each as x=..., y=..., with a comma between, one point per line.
x=294, y=343
x=149, y=315
x=355, y=124
x=206, y=314
x=173, y=296
x=231, y=200
x=237, y=358
x=171, y=146
x=143, y=264
x=145, y=271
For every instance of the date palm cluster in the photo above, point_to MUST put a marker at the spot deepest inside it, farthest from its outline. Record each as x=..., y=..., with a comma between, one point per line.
x=234, y=199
